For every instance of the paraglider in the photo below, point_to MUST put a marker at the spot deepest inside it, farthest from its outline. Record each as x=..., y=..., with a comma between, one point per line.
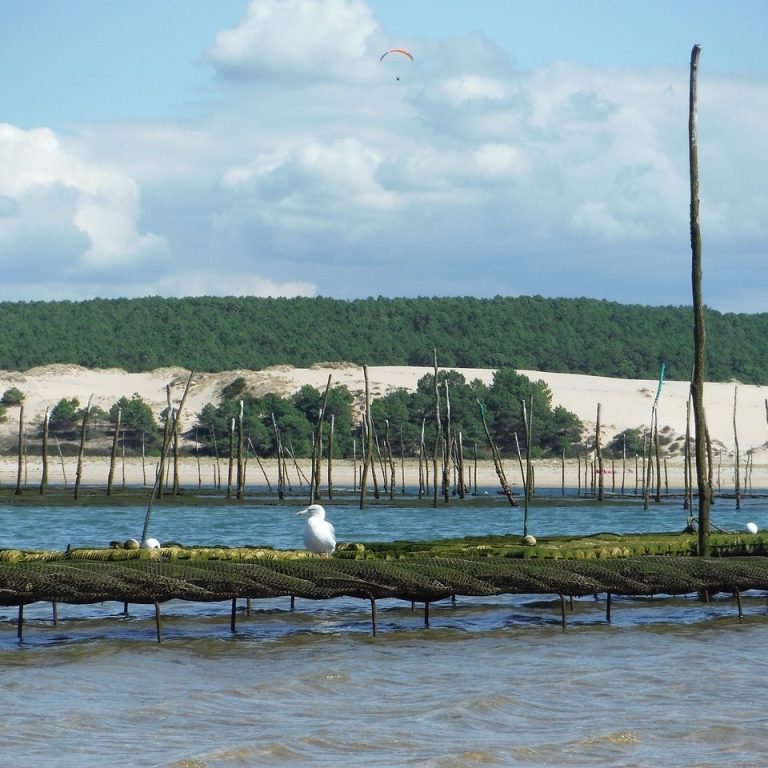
x=401, y=51
x=398, y=51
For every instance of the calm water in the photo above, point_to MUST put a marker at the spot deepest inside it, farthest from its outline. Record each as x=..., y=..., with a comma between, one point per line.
x=670, y=682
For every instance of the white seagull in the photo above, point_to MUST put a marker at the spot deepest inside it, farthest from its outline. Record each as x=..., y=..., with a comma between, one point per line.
x=319, y=536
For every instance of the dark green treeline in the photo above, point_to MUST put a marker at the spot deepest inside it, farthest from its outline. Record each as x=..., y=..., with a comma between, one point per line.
x=215, y=334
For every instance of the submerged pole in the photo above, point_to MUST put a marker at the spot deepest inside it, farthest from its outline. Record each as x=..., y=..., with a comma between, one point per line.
x=562, y=610
x=373, y=616
x=158, y=623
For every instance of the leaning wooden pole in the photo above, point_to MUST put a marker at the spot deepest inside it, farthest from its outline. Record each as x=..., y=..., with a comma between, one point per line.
x=81, y=451
x=368, y=448
x=158, y=478
x=317, y=447
x=699, y=334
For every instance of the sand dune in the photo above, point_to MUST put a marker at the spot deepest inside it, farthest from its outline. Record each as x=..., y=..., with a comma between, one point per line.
x=625, y=403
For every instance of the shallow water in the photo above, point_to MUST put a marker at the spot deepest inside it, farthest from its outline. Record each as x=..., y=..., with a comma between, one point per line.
x=490, y=681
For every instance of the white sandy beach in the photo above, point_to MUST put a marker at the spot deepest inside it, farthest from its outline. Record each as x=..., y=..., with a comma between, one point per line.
x=624, y=404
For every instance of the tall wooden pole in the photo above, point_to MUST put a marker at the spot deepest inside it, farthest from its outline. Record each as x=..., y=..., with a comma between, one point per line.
x=699, y=335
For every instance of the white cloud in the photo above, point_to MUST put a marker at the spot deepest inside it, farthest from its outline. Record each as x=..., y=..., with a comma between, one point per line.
x=313, y=39
x=315, y=171
x=92, y=210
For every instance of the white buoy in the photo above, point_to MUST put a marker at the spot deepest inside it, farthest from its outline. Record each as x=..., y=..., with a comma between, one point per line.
x=319, y=536
x=752, y=527
x=150, y=544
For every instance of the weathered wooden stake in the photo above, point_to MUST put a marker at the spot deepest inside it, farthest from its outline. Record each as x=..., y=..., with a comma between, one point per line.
x=608, y=607
x=233, y=616
x=373, y=616
x=20, y=625
x=562, y=611
x=158, y=623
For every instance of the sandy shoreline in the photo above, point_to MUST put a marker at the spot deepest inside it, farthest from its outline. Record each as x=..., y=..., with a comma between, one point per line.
x=624, y=403
x=205, y=472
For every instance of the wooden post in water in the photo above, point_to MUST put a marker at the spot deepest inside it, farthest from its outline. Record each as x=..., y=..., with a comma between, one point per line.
x=737, y=458
x=231, y=466
x=44, y=475
x=447, y=444
x=331, y=436
x=166, y=442
x=562, y=473
x=176, y=458
x=143, y=458
x=368, y=460
x=390, y=460
x=163, y=451
x=436, y=446
x=562, y=611
x=599, y=454
x=20, y=464
x=699, y=332
x=317, y=447
x=113, y=453
x=240, y=439
x=623, y=461
x=373, y=616
x=158, y=623
x=423, y=464
x=402, y=462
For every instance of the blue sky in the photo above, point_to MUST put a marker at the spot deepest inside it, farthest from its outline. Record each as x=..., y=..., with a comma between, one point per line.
x=189, y=147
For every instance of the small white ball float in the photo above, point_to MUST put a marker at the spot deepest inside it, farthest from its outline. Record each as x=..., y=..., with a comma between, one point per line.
x=751, y=527
x=150, y=544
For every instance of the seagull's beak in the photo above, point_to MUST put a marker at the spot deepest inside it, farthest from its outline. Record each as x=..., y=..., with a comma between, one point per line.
x=303, y=512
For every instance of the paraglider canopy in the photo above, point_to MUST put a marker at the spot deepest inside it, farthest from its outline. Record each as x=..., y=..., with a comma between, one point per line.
x=401, y=51
x=398, y=52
